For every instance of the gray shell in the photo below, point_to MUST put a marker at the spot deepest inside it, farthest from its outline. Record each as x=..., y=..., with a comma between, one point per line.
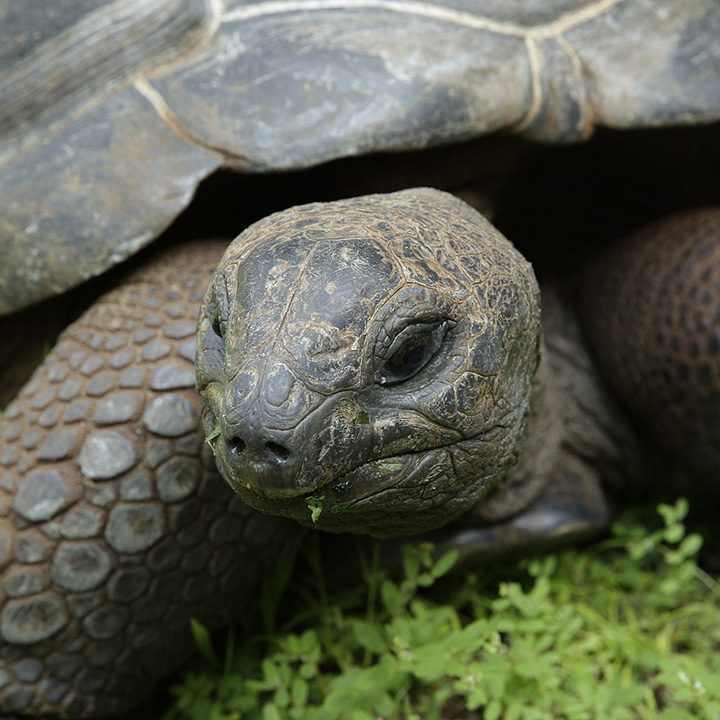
x=111, y=113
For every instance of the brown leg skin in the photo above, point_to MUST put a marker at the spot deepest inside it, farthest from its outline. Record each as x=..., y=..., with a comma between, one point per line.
x=651, y=312
x=115, y=528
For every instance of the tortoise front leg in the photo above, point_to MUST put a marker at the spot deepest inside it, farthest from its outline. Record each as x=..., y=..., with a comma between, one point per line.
x=115, y=528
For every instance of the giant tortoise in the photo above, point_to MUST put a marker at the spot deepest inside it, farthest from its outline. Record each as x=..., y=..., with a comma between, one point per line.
x=382, y=356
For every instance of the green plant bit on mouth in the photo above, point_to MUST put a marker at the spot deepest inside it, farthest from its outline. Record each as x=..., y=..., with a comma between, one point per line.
x=315, y=505
x=389, y=468
x=215, y=433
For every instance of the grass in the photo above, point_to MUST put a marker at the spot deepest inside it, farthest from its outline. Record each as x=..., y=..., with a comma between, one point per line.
x=627, y=628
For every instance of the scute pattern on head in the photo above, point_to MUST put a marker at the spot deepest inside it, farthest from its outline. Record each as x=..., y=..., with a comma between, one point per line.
x=377, y=351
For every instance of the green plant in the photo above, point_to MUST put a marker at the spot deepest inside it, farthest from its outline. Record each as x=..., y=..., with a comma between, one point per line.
x=624, y=629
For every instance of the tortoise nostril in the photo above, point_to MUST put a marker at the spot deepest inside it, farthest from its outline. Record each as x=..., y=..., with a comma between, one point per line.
x=271, y=450
x=280, y=452
x=236, y=446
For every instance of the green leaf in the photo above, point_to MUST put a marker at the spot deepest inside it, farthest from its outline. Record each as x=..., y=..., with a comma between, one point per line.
x=674, y=533
x=281, y=699
x=270, y=712
x=392, y=598
x=370, y=636
x=315, y=505
x=691, y=545
x=271, y=671
x=676, y=513
x=203, y=642
x=432, y=663
x=214, y=434
x=493, y=710
x=445, y=563
x=299, y=692
x=411, y=561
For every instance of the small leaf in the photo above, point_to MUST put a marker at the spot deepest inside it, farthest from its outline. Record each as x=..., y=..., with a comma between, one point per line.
x=431, y=664
x=674, y=558
x=270, y=712
x=299, y=690
x=370, y=637
x=392, y=598
x=493, y=710
x=445, y=563
x=315, y=505
x=271, y=672
x=674, y=533
x=281, y=698
x=214, y=434
x=691, y=545
x=203, y=642
x=411, y=561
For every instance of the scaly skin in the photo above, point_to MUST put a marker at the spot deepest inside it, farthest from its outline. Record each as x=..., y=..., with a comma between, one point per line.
x=305, y=347
x=115, y=528
x=651, y=306
x=300, y=362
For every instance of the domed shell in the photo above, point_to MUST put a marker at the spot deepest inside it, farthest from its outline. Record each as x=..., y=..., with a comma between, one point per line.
x=112, y=112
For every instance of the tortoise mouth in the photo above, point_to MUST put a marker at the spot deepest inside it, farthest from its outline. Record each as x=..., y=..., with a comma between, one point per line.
x=360, y=467
x=347, y=488
x=359, y=500
x=402, y=494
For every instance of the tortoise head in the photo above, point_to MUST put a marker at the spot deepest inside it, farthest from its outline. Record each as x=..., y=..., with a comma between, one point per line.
x=369, y=358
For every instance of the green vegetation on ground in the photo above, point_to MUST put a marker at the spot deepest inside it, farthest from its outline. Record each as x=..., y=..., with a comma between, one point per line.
x=624, y=629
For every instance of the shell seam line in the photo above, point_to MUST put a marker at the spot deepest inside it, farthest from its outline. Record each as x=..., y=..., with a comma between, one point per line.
x=554, y=30
x=144, y=88
x=413, y=7
x=536, y=66
x=30, y=70
x=585, y=120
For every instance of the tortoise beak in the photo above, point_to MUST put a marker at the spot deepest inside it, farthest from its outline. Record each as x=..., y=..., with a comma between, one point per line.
x=263, y=462
x=262, y=433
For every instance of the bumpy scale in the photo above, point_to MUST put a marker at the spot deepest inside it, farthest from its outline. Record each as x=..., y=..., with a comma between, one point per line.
x=382, y=357
x=652, y=313
x=115, y=528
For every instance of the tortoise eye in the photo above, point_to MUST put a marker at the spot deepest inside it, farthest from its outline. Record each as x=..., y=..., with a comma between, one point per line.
x=411, y=351
x=215, y=323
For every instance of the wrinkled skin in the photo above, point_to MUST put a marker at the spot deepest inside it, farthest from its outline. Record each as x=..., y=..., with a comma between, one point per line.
x=380, y=356
x=115, y=528
x=376, y=365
